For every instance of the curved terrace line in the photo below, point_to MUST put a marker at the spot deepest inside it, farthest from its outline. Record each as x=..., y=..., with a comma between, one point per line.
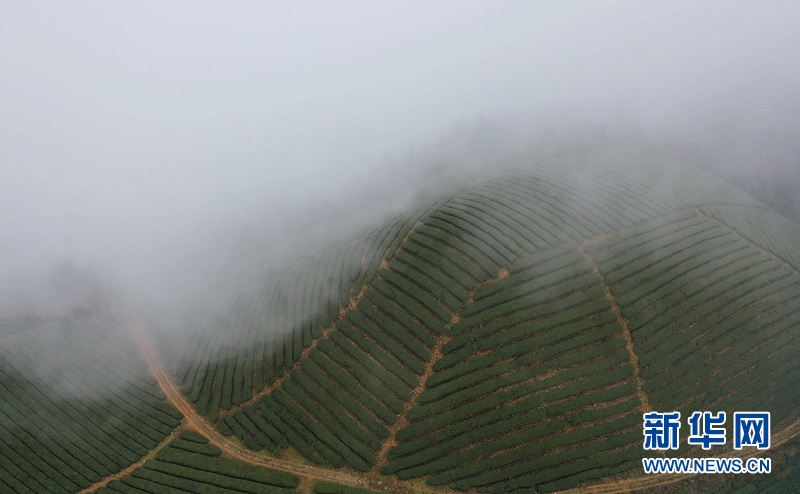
x=231, y=448
x=130, y=469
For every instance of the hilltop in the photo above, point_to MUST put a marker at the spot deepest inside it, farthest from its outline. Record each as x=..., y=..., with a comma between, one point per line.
x=505, y=336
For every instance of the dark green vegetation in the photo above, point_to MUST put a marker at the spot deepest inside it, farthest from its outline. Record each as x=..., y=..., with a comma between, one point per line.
x=76, y=404
x=504, y=337
x=329, y=488
x=532, y=383
x=537, y=363
x=713, y=306
x=190, y=464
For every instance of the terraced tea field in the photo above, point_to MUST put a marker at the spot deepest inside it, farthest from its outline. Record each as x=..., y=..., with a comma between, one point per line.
x=506, y=337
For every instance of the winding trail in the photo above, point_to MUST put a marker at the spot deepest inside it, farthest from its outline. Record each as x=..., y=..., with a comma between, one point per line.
x=231, y=448
x=626, y=332
x=402, y=420
x=201, y=425
x=129, y=470
x=373, y=480
x=325, y=334
x=435, y=356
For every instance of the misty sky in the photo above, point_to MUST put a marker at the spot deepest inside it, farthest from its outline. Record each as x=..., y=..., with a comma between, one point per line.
x=127, y=128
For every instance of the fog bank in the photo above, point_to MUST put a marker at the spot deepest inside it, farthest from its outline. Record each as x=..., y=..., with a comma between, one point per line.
x=154, y=144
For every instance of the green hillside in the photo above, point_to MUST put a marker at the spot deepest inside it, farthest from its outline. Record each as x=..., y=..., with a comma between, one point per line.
x=76, y=404
x=504, y=337
x=190, y=463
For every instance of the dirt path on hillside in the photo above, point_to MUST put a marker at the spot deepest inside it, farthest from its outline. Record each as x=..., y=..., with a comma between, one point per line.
x=325, y=334
x=232, y=448
x=626, y=332
x=373, y=481
x=201, y=425
x=129, y=470
x=435, y=356
x=402, y=420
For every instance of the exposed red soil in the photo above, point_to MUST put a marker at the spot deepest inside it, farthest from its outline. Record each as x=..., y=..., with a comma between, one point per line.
x=308, y=473
x=402, y=420
x=325, y=334
x=234, y=449
x=129, y=470
x=626, y=332
x=435, y=356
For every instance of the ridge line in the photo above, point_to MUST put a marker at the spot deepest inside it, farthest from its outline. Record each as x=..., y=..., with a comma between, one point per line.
x=626, y=331
x=435, y=356
x=325, y=333
x=138, y=463
x=782, y=261
x=194, y=421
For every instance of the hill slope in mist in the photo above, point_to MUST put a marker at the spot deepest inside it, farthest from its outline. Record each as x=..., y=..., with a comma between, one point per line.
x=510, y=334
x=506, y=336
